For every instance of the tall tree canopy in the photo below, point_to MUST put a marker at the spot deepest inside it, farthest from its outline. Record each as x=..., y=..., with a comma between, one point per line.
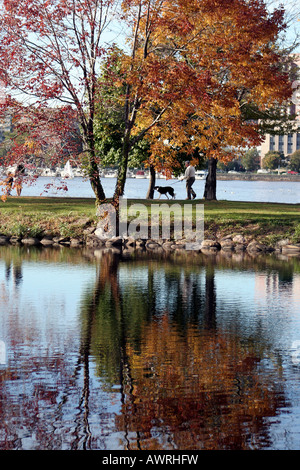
x=194, y=69
x=50, y=54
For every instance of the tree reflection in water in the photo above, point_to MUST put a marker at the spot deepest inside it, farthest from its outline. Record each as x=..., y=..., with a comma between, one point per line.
x=150, y=338
x=184, y=382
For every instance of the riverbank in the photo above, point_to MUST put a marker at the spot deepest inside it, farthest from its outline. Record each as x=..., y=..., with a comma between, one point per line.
x=229, y=226
x=257, y=177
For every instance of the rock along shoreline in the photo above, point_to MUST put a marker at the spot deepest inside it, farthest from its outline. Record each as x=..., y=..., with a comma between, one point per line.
x=231, y=243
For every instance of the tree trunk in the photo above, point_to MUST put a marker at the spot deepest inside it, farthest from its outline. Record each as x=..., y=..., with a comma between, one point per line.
x=210, y=190
x=92, y=166
x=150, y=193
x=122, y=172
x=210, y=299
x=95, y=182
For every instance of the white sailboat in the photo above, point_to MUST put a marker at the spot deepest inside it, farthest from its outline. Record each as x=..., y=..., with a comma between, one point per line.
x=67, y=171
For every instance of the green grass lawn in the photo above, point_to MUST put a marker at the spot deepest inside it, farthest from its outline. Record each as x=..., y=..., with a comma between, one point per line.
x=268, y=221
x=68, y=216
x=47, y=205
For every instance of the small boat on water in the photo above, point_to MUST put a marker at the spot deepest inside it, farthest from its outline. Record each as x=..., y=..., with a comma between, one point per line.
x=140, y=174
x=110, y=174
x=48, y=172
x=200, y=174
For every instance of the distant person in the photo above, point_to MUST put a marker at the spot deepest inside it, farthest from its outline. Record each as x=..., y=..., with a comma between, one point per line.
x=189, y=176
x=8, y=183
x=19, y=174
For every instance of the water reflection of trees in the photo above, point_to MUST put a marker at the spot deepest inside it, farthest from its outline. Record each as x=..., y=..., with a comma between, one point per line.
x=184, y=382
x=36, y=382
x=150, y=332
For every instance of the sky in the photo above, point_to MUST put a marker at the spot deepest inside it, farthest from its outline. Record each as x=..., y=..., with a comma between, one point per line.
x=292, y=8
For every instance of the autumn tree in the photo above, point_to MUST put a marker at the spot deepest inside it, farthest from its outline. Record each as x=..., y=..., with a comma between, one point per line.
x=251, y=160
x=271, y=160
x=193, y=70
x=50, y=54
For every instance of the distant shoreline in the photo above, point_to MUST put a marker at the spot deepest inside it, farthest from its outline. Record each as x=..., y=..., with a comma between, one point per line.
x=257, y=177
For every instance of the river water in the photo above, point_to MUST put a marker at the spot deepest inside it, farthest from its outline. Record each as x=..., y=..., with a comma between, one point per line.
x=233, y=190
x=177, y=351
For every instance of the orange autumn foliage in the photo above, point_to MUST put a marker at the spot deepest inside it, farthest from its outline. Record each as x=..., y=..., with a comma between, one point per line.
x=194, y=67
x=212, y=382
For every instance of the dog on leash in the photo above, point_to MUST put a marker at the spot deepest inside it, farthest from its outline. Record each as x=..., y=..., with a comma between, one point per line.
x=165, y=190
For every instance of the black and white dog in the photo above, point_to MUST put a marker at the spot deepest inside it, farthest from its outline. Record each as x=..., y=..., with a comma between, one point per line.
x=165, y=190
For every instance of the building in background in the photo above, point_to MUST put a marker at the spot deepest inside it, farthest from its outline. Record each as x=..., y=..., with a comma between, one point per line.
x=288, y=143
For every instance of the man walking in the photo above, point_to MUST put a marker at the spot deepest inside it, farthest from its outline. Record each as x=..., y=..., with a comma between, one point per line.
x=189, y=176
